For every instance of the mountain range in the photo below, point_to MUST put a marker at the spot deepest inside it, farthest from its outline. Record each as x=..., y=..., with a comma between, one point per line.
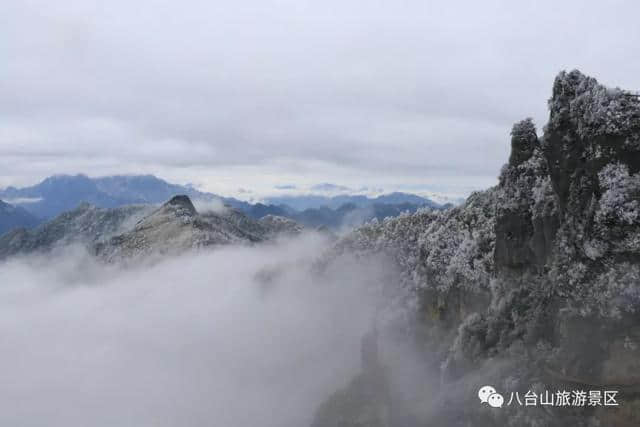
x=62, y=193
x=131, y=231
x=313, y=201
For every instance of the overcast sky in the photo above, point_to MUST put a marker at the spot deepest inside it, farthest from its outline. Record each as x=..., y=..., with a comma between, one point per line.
x=230, y=95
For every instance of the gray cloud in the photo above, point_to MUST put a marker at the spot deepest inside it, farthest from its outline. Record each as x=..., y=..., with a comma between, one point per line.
x=285, y=187
x=329, y=187
x=409, y=92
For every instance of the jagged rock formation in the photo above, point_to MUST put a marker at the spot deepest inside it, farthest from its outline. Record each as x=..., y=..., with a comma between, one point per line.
x=527, y=216
x=177, y=227
x=533, y=284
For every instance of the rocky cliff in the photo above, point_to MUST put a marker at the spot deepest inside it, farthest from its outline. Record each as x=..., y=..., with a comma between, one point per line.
x=531, y=285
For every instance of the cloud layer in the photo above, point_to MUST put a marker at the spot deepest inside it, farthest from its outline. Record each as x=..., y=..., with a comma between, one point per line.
x=253, y=94
x=235, y=337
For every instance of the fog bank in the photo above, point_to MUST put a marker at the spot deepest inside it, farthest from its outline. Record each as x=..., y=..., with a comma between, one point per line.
x=233, y=337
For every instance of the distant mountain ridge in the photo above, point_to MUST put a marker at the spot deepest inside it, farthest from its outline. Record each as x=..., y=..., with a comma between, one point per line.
x=60, y=193
x=63, y=193
x=313, y=201
x=133, y=231
x=350, y=215
x=85, y=224
x=14, y=216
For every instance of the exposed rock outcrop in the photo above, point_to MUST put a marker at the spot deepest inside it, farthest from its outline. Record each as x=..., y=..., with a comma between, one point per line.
x=177, y=227
x=539, y=276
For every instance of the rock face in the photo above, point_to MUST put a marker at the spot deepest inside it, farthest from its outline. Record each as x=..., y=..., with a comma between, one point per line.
x=527, y=215
x=524, y=141
x=590, y=126
x=533, y=284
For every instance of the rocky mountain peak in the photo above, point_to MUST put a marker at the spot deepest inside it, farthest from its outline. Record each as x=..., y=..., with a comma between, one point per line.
x=541, y=271
x=182, y=203
x=593, y=109
x=523, y=141
x=556, y=185
x=590, y=126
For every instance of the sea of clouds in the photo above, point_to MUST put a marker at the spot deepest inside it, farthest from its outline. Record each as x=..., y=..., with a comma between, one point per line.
x=239, y=336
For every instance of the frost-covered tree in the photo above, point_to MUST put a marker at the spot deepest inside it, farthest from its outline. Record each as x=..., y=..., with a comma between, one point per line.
x=523, y=141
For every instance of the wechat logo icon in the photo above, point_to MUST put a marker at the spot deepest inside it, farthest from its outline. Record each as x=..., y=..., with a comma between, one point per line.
x=488, y=394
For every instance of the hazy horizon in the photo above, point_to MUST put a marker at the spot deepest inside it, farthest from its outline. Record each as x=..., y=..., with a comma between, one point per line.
x=324, y=189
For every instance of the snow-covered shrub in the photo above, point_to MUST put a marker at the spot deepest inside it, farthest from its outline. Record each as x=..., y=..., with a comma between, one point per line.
x=620, y=202
x=592, y=109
